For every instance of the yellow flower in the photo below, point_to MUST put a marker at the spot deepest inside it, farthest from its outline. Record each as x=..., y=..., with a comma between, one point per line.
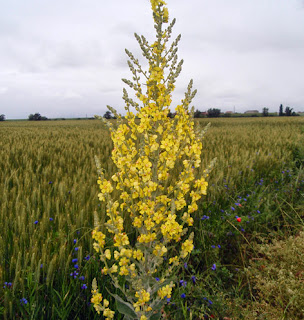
x=123, y=271
x=109, y=314
x=121, y=239
x=126, y=252
x=96, y=298
x=137, y=254
x=143, y=297
x=187, y=247
x=105, y=186
x=99, y=237
x=116, y=255
x=165, y=292
x=105, y=303
x=114, y=269
x=108, y=254
x=104, y=271
x=124, y=261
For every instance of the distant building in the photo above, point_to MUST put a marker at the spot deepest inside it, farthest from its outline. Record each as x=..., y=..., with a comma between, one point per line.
x=251, y=111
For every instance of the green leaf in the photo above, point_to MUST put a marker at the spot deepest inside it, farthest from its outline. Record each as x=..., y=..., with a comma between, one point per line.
x=156, y=316
x=125, y=308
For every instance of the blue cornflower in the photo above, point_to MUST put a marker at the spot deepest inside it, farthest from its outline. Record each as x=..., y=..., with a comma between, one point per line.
x=7, y=285
x=232, y=208
x=84, y=286
x=193, y=279
x=219, y=246
x=51, y=219
x=74, y=274
x=81, y=278
x=75, y=240
x=87, y=258
x=50, y=182
x=185, y=265
x=213, y=267
x=23, y=301
x=76, y=266
x=258, y=211
x=213, y=246
x=74, y=260
x=36, y=222
x=76, y=248
x=157, y=279
x=183, y=296
x=183, y=283
x=210, y=302
x=41, y=266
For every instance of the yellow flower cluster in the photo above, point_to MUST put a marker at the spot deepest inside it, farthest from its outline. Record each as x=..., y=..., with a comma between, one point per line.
x=165, y=291
x=99, y=237
x=143, y=297
x=101, y=305
x=156, y=188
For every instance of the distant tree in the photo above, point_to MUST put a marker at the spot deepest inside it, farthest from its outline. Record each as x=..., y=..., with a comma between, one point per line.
x=265, y=112
x=108, y=115
x=281, y=113
x=213, y=113
x=36, y=117
x=227, y=115
x=288, y=111
x=2, y=117
x=197, y=114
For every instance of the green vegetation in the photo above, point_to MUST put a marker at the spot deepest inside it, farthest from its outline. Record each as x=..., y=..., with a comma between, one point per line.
x=36, y=117
x=49, y=195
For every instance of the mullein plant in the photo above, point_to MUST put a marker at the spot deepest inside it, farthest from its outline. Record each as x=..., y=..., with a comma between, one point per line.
x=148, y=148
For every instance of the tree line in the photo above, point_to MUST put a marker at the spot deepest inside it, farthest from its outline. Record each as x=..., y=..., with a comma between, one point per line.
x=216, y=113
x=210, y=113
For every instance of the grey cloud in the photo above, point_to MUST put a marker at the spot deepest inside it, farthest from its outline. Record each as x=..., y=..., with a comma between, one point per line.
x=70, y=54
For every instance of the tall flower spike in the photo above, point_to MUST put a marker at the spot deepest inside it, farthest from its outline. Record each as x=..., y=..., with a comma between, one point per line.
x=159, y=180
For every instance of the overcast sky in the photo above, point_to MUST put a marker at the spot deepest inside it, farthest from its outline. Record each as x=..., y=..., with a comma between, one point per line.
x=65, y=58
